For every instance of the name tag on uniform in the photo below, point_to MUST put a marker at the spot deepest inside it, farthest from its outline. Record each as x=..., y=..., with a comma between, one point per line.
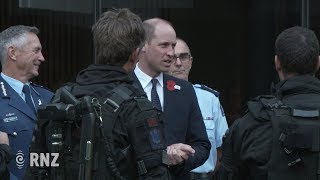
x=10, y=117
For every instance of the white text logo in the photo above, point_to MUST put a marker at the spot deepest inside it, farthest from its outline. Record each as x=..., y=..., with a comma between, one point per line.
x=44, y=159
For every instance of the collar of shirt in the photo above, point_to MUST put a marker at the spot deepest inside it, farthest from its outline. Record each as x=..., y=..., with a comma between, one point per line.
x=15, y=84
x=145, y=81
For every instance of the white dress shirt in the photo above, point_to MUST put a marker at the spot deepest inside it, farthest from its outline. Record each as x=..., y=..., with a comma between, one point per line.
x=145, y=81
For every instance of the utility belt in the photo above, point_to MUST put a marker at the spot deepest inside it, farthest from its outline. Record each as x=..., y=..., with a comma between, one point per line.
x=193, y=175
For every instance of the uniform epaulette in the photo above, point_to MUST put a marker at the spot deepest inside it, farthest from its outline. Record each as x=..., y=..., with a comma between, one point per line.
x=204, y=87
x=3, y=89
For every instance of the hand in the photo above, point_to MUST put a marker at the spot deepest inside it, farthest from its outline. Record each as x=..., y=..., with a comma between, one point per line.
x=179, y=152
x=4, y=138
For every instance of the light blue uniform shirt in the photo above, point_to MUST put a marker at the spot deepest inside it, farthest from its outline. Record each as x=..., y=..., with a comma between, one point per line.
x=16, y=85
x=215, y=122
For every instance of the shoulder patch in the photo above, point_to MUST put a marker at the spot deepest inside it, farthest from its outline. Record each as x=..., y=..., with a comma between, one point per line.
x=4, y=91
x=204, y=87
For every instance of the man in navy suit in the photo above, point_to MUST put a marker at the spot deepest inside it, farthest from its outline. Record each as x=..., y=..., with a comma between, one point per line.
x=187, y=140
x=20, y=55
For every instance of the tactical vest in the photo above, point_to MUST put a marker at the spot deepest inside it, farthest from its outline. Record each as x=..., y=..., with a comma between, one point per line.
x=147, y=125
x=143, y=151
x=295, y=151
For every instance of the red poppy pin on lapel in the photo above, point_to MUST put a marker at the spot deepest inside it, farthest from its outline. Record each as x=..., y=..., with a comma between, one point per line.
x=171, y=85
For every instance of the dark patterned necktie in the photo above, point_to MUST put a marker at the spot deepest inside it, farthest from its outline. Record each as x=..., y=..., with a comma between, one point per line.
x=27, y=95
x=154, y=95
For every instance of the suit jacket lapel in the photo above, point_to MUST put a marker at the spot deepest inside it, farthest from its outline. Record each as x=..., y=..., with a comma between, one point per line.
x=36, y=97
x=18, y=103
x=167, y=96
x=170, y=97
x=135, y=80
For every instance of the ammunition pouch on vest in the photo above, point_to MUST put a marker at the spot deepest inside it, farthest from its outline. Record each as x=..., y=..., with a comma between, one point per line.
x=295, y=151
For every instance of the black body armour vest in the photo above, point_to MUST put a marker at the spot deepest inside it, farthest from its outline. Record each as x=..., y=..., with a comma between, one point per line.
x=295, y=151
x=135, y=156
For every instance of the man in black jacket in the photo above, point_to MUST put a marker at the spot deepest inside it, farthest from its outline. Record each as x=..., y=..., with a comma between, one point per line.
x=131, y=144
x=137, y=127
x=270, y=141
x=4, y=155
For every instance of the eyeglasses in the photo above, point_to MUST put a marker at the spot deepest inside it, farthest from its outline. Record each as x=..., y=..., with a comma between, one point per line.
x=183, y=57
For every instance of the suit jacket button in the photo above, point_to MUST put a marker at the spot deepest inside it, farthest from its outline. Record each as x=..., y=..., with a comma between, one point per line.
x=14, y=133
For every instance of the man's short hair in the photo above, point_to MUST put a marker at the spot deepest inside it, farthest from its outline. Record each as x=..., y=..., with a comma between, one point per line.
x=116, y=35
x=298, y=50
x=14, y=36
x=149, y=26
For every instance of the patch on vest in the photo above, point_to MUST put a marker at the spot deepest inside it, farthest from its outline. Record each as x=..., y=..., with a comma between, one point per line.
x=152, y=122
x=155, y=138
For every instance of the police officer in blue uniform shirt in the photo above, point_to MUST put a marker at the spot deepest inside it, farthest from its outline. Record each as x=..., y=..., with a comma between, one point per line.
x=20, y=57
x=211, y=110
